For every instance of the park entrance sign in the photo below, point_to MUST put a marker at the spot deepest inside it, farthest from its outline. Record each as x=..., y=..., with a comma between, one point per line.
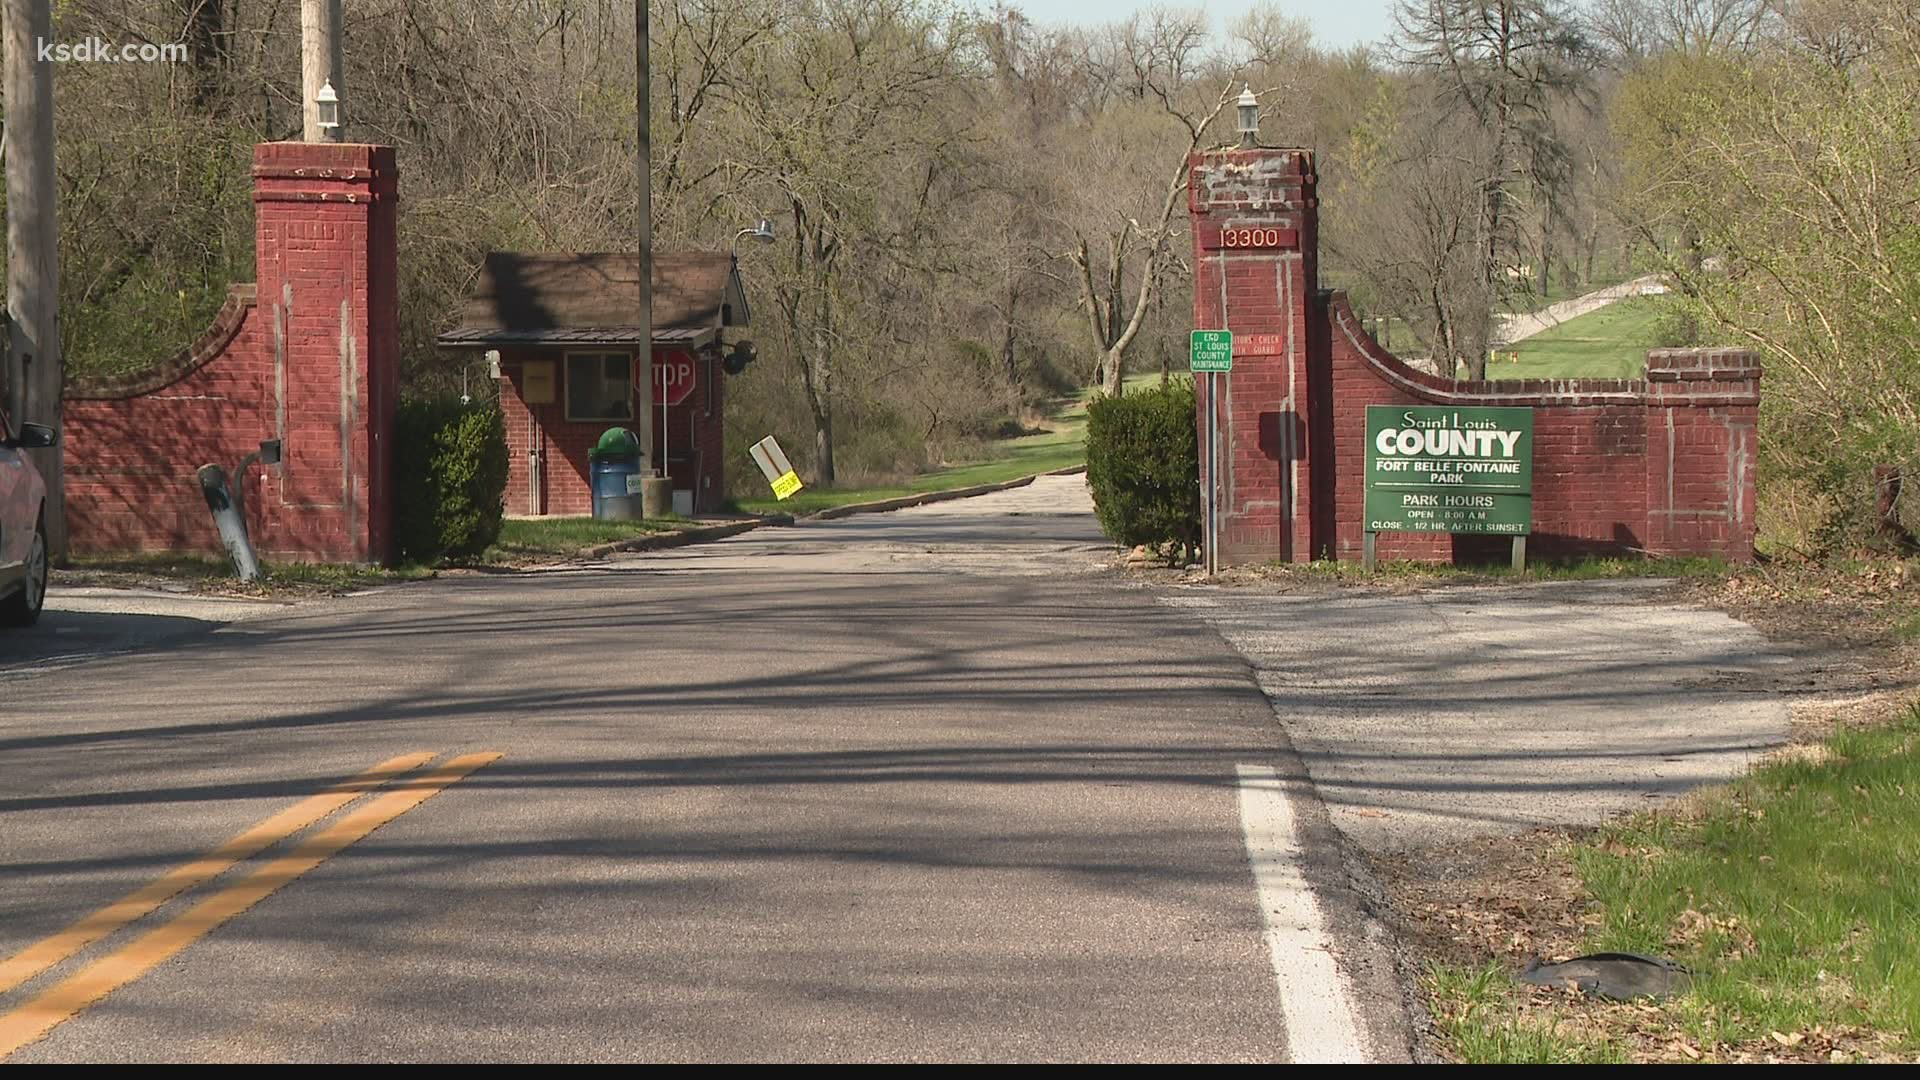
x=1451, y=470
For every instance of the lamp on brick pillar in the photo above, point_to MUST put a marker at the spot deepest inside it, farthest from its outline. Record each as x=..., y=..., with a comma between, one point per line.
x=326, y=105
x=1249, y=107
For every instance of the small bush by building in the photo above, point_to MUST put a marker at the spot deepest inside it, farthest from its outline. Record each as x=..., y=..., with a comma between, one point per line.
x=1143, y=465
x=450, y=468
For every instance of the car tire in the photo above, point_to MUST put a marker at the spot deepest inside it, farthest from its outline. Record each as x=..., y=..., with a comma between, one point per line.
x=23, y=607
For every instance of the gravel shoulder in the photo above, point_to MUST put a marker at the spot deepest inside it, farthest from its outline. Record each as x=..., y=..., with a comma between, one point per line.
x=1444, y=714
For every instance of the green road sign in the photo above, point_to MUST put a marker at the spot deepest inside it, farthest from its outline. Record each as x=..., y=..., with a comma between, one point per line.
x=1452, y=470
x=1212, y=351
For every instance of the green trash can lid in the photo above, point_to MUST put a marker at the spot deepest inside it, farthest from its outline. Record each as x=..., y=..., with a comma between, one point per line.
x=616, y=442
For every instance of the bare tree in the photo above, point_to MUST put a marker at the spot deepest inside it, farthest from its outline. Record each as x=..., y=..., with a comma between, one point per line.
x=1505, y=63
x=1114, y=320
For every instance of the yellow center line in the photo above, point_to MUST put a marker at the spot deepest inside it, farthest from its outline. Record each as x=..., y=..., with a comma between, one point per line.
x=65, y=1000
x=42, y=955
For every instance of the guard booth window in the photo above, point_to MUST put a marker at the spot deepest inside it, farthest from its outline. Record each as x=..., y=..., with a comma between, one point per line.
x=599, y=386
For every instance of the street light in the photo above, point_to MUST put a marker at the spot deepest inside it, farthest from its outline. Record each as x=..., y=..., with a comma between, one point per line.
x=1249, y=117
x=761, y=231
x=327, y=107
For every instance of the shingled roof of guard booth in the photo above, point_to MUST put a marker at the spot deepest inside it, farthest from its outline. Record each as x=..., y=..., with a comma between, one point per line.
x=586, y=298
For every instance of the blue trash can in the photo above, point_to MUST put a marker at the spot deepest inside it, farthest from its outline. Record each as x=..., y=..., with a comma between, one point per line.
x=615, y=458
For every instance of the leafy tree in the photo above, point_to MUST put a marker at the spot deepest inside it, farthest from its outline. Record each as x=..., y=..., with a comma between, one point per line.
x=1787, y=176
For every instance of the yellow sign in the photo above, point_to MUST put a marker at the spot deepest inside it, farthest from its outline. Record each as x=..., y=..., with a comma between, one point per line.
x=786, y=485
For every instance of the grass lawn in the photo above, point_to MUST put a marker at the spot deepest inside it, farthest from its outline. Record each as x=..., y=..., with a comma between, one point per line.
x=1794, y=895
x=1610, y=343
x=529, y=540
x=1477, y=1016
x=1578, y=568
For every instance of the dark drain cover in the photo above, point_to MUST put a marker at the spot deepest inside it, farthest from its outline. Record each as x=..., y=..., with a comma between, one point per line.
x=1615, y=976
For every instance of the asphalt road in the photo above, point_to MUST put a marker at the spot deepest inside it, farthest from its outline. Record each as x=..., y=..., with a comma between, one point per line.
x=905, y=787
x=85, y=624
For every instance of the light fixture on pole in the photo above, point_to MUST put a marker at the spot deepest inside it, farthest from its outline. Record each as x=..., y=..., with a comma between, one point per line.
x=327, y=106
x=761, y=231
x=1249, y=117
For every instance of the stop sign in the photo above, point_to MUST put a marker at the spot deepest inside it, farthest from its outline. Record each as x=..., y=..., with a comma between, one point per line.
x=672, y=377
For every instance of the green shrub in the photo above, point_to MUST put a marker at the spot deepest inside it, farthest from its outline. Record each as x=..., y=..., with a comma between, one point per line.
x=450, y=468
x=1143, y=465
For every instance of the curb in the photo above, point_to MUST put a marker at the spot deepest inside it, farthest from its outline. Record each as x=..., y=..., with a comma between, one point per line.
x=902, y=502
x=684, y=537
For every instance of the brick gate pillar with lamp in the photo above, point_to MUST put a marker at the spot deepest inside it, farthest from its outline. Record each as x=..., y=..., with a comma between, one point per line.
x=1255, y=274
x=325, y=221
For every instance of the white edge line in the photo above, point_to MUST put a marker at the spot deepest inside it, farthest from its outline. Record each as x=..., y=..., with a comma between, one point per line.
x=1315, y=999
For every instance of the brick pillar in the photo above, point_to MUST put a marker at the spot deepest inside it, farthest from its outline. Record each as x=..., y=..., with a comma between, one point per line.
x=328, y=290
x=1703, y=451
x=1255, y=227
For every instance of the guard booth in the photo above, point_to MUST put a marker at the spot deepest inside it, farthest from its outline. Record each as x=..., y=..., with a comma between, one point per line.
x=558, y=333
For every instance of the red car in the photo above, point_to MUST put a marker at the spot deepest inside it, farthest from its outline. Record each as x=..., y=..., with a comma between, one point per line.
x=23, y=524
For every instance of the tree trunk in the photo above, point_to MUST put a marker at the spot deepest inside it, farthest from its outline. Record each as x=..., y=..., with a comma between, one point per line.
x=820, y=404
x=1114, y=364
x=823, y=449
x=1888, y=532
x=1009, y=362
x=1546, y=254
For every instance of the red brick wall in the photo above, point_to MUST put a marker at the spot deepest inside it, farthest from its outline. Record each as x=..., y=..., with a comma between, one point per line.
x=132, y=445
x=565, y=487
x=1663, y=465
x=309, y=355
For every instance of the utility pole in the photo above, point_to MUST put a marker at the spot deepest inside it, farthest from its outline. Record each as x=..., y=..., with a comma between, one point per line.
x=34, y=368
x=643, y=152
x=320, y=65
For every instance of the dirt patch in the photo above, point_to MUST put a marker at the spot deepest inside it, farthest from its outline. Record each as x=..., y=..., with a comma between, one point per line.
x=1852, y=632
x=1501, y=898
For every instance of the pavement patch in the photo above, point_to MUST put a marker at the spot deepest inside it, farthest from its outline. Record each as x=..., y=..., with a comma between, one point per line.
x=1461, y=711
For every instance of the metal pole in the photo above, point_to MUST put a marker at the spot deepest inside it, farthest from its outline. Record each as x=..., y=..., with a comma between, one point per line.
x=228, y=518
x=35, y=369
x=643, y=159
x=1213, y=473
x=320, y=63
x=1203, y=385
